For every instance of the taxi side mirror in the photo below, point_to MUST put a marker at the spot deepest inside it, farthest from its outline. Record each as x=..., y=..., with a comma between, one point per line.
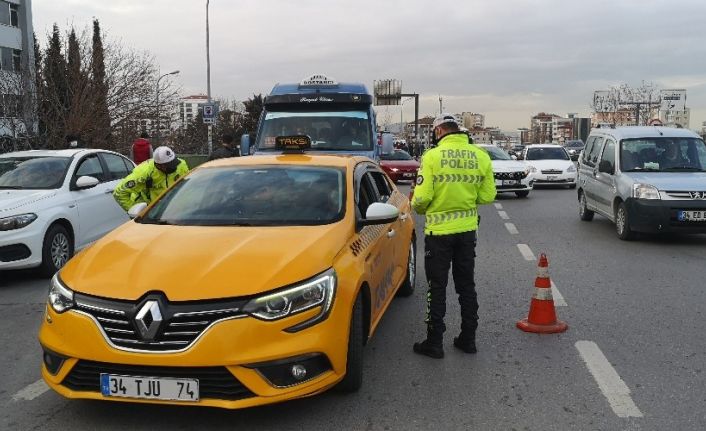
x=136, y=209
x=380, y=213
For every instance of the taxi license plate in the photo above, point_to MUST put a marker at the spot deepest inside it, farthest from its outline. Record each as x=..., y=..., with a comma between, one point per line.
x=691, y=215
x=408, y=175
x=153, y=388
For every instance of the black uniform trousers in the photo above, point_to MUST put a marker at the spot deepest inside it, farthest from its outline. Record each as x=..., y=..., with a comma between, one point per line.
x=457, y=251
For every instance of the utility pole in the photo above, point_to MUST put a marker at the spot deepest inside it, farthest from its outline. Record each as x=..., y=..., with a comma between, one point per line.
x=208, y=80
x=441, y=106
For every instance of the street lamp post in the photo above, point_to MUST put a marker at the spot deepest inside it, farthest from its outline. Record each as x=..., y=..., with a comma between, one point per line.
x=157, y=97
x=208, y=80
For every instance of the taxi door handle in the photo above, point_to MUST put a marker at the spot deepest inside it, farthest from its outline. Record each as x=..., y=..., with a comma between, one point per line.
x=391, y=233
x=404, y=216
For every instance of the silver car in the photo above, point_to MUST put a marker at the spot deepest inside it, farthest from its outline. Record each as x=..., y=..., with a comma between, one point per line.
x=645, y=179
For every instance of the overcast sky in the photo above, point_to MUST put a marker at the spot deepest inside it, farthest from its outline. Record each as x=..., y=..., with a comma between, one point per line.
x=507, y=59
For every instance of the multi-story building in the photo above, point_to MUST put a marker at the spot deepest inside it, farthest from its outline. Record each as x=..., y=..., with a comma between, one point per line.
x=470, y=120
x=480, y=135
x=541, y=128
x=562, y=129
x=189, y=108
x=424, y=129
x=621, y=117
x=16, y=66
x=678, y=118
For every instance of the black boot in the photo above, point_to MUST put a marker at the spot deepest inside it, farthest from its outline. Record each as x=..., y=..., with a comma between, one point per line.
x=429, y=349
x=467, y=344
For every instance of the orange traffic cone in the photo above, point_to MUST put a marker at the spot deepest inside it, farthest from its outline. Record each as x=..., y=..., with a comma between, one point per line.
x=542, y=316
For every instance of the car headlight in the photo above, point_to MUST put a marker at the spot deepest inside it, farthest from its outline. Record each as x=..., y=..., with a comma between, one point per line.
x=17, y=222
x=645, y=191
x=61, y=298
x=571, y=168
x=317, y=292
x=394, y=169
x=532, y=169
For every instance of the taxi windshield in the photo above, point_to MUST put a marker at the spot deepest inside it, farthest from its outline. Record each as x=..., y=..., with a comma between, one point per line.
x=334, y=130
x=281, y=195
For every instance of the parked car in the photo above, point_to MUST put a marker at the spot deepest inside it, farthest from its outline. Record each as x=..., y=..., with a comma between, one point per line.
x=55, y=202
x=399, y=166
x=574, y=148
x=511, y=176
x=253, y=280
x=553, y=165
x=644, y=179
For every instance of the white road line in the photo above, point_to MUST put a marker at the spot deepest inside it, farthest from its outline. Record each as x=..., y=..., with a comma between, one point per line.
x=498, y=206
x=31, y=391
x=610, y=383
x=558, y=298
x=503, y=215
x=526, y=252
x=511, y=228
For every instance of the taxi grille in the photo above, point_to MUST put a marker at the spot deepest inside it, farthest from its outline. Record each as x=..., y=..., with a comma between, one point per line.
x=182, y=324
x=214, y=382
x=510, y=175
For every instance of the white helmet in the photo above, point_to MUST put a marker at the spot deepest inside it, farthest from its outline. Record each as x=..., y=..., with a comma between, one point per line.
x=443, y=118
x=163, y=155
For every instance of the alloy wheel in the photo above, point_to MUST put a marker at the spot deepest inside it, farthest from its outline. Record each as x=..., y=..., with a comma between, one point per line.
x=59, y=250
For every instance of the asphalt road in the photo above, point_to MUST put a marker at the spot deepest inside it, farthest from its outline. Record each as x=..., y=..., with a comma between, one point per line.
x=638, y=305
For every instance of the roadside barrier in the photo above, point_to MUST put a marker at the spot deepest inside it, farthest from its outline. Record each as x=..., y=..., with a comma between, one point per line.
x=542, y=315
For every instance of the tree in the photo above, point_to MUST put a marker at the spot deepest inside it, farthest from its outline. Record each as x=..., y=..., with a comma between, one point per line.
x=100, y=88
x=253, y=109
x=55, y=100
x=626, y=105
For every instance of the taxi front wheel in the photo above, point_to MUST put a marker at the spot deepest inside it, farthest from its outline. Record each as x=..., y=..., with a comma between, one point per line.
x=407, y=287
x=353, y=379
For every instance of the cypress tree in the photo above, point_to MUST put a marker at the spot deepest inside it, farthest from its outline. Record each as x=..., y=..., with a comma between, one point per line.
x=39, y=86
x=100, y=90
x=56, y=95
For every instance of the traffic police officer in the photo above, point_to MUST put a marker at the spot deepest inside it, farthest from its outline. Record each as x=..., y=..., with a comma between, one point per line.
x=150, y=178
x=454, y=178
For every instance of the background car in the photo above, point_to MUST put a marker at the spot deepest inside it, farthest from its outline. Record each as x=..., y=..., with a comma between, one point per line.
x=553, y=164
x=54, y=202
x=574, y=148
x=510, y=175
x=399, y=166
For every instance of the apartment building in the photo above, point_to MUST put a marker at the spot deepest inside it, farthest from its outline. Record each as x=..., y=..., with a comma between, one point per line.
x=189, y=107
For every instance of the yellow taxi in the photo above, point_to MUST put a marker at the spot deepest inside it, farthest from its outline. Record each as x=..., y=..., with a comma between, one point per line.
x=252, y=280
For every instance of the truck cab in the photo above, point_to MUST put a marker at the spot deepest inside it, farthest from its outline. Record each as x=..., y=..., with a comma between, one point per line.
x=338, y=118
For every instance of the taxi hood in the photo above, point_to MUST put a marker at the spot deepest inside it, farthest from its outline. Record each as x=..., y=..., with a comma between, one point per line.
x=202, y=262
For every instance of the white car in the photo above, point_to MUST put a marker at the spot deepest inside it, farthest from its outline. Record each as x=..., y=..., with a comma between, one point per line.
x=53, y=202
x=553, y=164
x=510, y=175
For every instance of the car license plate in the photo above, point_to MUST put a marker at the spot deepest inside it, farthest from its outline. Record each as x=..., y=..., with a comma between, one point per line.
x=509, y=182
x=551, y=177
x=154, y=388
x=408, y=175
x=691, y=215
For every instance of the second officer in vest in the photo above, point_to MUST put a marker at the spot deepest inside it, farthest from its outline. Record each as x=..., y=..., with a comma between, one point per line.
x=454, y=178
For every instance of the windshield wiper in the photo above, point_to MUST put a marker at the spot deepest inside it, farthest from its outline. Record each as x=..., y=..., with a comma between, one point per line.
x=11, y=187
x=682, y=168
x=153, y=221
x=642, y=170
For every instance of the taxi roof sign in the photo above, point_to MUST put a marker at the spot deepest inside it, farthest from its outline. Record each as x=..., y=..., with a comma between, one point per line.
x=293, y=144
x=318, y=80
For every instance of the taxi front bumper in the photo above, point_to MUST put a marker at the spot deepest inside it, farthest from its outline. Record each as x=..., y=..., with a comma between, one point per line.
x=250, y=357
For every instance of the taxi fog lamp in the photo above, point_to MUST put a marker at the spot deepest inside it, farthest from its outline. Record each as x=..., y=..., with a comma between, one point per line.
x=17, y=222
x=317, y=292
x=292, y=371
x=645, y=191
x=61, y=298
x=52, y=361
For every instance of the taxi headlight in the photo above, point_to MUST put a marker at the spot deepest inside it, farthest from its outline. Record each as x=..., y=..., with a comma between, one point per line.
x=317, y=292
x=645, y=191
x=61, y=298
x=17, y=222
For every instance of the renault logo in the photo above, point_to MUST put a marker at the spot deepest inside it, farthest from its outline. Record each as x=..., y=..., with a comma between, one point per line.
x=148, y=320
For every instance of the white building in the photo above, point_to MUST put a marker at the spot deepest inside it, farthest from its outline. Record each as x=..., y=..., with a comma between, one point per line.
x=189, y=108
x=471, y=120
x=16, y=55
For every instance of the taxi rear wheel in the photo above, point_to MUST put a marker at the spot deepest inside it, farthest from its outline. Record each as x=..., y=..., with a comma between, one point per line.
x=353, y=379
x=407, y=288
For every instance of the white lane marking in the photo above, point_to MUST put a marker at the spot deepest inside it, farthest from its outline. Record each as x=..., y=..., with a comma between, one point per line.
x=503, y=215
x=610, y=383
x=31, y=391
x=511, y=228
x=558, y=298
x=498, y=206
x=526, y=252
